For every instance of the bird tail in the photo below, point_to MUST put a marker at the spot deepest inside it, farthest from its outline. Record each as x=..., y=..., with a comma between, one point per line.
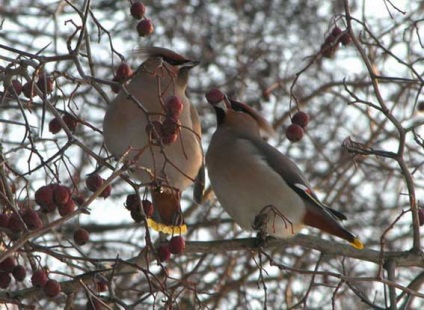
x=167, y=217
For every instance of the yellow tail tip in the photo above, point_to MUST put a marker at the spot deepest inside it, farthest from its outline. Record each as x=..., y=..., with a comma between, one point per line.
x=167, y=229
x=357, y=244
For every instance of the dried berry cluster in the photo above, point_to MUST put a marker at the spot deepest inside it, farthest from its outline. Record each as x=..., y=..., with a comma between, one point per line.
x=70, y=121
x=175, y=246
x=94, y=182
x=333, y=40
x=45, y=84
x=166, y=131
x=295, y=130
x=134, y=205
x=145, y=25
x=51, y=287
x=9, y=267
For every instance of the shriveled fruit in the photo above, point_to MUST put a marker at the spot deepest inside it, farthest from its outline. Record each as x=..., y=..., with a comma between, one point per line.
x=39, y=278
x=176, y=245
x=94, y=182
x=132, y=202
x=145, y=27
x=19, y=273
x=44, y=195
x=81, y=236
x=300, y=118
x=70, y=121
x=52, y=288
x=8, y=264
x=15, y=224
x=5, y=279
x=17, y=86
x=106, y=192
x=67, y=208
x=55, y=126
x=163, y=253
x=123, y=72
x=32, y=219
x=294, y=133
x=61, y=194
x=28, y=90
x=45, y=84
x=138, y=10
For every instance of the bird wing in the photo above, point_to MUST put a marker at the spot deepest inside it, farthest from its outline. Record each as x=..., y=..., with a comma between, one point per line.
x=317, y=214
x=294, y=178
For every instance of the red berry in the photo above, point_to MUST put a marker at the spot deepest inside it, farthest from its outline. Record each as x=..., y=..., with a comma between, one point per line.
x=176, y=245
x=300, y=118
x=32, y=219
x=28, y=90
x=345, y=39
x=123, y=72
x=94, y=182
x=106, y=192
x=163, y=253
x=214, y=96
x=81, y=236
x=55, y=126
x=15, y=224
x=4, y=220
x=39, y=278
x=19, y=273
x=421, y=216
x=147, y=207
x=5, y=280
x=17, y=86
x=67, y=208
x=45, y=84
x=133, y=202
x=294, y=132
x=173, y=106
x=138, y=10
x=171, y=126
x=44, y=195
x=145, y=27
x=61, y=195
x=8, y=264
x=70, y=121
x=52, y=288
x=336, y=31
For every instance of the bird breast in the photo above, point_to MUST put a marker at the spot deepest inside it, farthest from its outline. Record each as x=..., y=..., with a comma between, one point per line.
x=125, y=127
x=247, y=186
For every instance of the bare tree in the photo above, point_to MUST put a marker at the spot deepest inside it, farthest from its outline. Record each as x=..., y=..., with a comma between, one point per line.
x=362, y=151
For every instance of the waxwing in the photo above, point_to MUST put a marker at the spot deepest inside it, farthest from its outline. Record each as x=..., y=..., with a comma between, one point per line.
x=161, y=143
x=259, y=187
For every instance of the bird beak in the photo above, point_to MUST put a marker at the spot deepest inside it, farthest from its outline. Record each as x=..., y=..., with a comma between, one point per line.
x=190, y=64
